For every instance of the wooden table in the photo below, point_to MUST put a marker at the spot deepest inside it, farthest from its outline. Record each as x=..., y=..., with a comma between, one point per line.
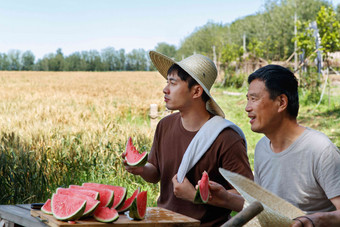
x=155, y=216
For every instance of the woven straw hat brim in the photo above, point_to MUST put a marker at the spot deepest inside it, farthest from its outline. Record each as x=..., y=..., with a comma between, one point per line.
x=163, y=63
x=277, y=212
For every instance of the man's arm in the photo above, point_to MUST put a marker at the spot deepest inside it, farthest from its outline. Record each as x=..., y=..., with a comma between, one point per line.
x=219, y=196
x=327, y=219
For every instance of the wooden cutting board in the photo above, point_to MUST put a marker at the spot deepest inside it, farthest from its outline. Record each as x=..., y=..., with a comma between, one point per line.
x=155, y=216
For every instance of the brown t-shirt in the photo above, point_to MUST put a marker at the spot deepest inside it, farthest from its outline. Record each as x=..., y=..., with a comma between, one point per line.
x=170, y=142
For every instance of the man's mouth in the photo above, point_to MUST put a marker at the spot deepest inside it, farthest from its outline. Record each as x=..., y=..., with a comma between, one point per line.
x=252, y=119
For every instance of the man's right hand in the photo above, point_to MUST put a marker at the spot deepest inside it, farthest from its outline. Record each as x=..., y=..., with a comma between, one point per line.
x=221, y=197
x=136, y=170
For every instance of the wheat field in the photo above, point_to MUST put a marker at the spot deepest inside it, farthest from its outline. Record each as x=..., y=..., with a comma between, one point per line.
x=74, y=125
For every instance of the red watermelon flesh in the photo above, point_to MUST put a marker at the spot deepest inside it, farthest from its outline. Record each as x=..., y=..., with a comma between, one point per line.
x=202, y=193
x=105, y=214
x=128, y=202
x=119, y=193
x=46, y=208
x=91, y=204
x=105, y=195
x=67, y=208
x=138, y=208
x=133, y=157
x=91, y=193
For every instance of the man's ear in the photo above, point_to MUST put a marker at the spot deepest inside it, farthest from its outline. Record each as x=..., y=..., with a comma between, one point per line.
x=282, y=102
x=197, y=91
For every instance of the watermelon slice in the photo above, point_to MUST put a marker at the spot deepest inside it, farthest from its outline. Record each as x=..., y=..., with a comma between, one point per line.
x=91, y=193
x=105, y=195
x=46, y=208
x=91, y=204
x=138, y=207
x=67, y=208
x=105, y=214
x=133, y=157
x=128, y=202
x=202, y=193
x=119, y=193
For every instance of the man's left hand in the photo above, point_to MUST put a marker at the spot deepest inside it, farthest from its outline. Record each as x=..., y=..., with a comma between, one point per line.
x=184, y=190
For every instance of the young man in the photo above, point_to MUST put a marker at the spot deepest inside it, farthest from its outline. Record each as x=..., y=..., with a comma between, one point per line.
x=188, y=91
x=299, y=164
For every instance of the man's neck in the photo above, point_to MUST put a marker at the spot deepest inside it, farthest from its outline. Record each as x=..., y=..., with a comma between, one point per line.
x=193, y=120
x=284, y=135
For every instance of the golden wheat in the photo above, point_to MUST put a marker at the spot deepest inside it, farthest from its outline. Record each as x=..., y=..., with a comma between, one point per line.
x=38, y=103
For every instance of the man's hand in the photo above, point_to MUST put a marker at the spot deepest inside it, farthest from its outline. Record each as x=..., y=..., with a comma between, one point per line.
x=221, y=197
x=136, y=170
x=184, y=190
x=320, y=219
x=148, y=172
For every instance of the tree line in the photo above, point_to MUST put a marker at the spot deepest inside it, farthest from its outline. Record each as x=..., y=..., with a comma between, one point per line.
x=108, y=59
x=267, y=34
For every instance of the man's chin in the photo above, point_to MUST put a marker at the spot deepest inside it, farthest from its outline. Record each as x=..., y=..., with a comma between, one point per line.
x=255, y=129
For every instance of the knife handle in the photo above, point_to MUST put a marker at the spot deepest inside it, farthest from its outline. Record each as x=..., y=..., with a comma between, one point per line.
x=36, y=206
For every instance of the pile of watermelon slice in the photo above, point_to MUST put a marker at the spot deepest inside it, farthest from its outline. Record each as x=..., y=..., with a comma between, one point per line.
x=103, y=202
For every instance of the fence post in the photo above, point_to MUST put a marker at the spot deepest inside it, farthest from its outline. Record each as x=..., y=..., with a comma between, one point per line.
x=153, y=115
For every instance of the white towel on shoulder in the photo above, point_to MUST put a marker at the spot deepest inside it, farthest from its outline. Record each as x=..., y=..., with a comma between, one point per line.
x=202, y=141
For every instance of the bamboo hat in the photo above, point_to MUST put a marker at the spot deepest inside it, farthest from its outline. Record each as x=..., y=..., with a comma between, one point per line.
x=199, y=67
x=277, y=212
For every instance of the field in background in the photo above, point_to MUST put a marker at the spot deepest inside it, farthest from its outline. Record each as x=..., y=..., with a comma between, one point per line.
x=61, y=128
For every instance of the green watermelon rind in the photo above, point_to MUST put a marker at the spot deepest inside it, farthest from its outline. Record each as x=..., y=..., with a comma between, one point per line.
x=43, y=207
x=141, y=162
x=75, y=216
x=107, y=220
x=133, y=211
x=113, y=188
x=121, y=202
x=198, y=196
x=198, y=199
x=89, y=212
x=122, y=209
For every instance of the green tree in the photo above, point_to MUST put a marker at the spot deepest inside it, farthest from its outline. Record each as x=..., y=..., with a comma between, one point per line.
x=203, y=40
x=305, y=39
x=75, y=62
x=120, y=60
x=14, y=59
x=56, y=61
x=108, y=57
x=338, y=12
x=94, y=61
x=42, y=64
x=136, y=60
x=27, y=60
x=329, y=30
x=166, y=49
x=4, y=62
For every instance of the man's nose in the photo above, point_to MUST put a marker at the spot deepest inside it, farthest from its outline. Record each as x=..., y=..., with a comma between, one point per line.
x=248, y=107
x=166, y=89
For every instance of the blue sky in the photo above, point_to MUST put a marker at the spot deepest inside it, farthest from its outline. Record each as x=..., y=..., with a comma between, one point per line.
x=43, y=26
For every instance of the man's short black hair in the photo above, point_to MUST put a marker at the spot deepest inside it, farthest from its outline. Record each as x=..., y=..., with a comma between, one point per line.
x=279, y=80
x=186, y=77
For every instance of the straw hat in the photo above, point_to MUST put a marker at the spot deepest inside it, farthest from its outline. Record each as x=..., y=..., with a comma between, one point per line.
x=277, y=212
x=199, y=67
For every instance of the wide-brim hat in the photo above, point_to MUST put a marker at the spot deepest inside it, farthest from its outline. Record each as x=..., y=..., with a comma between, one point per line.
x=199, y=67
x=277, y=211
